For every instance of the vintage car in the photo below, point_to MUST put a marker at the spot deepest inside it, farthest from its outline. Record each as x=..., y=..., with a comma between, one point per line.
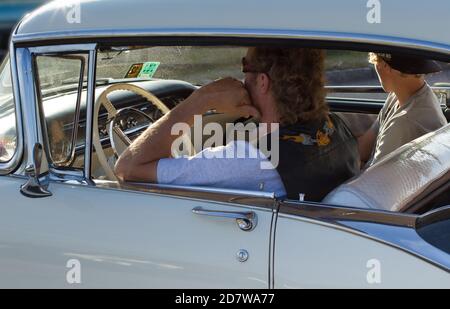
x=84, y=78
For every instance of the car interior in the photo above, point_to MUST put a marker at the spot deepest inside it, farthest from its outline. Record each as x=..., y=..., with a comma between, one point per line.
x=162, y=73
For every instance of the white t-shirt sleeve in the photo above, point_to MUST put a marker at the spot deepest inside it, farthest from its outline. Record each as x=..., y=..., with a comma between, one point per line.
x=234, y=166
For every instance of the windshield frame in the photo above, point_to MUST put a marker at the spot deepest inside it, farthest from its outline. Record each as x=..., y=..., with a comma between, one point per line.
x=12, y=164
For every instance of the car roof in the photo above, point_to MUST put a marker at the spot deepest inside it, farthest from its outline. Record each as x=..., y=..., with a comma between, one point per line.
x=425, y=21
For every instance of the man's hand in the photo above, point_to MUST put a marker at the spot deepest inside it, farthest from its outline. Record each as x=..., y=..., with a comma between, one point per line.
x=227, y=96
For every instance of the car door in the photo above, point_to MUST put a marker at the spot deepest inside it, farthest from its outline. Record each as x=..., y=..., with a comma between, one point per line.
x=318, y=246
x=64, y=230
x=122, y=238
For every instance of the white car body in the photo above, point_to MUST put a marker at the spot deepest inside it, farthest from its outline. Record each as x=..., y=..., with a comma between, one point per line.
x=152, y=238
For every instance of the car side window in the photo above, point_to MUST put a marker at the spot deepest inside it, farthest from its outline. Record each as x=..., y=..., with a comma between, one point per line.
x=8, y=129
x=62, y=91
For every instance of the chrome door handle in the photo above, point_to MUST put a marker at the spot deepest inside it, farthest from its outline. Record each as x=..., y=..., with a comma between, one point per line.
x=246, y=221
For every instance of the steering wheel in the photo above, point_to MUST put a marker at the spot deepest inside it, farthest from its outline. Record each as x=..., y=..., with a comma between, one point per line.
x=119, y=140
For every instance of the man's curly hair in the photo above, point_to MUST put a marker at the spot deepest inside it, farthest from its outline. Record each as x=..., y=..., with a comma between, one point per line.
x=298, y=81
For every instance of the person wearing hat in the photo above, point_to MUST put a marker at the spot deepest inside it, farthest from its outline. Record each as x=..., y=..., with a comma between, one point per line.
x=410, y=111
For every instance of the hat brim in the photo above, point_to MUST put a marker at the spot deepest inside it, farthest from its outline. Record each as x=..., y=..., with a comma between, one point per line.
x=413, y=65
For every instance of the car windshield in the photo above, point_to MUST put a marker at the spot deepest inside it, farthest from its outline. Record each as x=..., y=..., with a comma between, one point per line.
x=8, y=133
x=5, y=84
x=197, y=65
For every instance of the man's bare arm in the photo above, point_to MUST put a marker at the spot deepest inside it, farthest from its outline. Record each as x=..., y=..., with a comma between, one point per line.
x=139, y=161
x=366, y=142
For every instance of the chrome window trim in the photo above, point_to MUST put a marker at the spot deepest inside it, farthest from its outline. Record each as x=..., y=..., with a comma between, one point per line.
x=335, y=214
x=68, y=161
x=248, y=199
x=13, y=163
x=88, y=49
x=240, y=33
x=65, y=48
x=248, y=193
x=370, y=224
x=266, y=201
x=63, y=175
x=28, y=103
x=433, y=216
x=90, y=102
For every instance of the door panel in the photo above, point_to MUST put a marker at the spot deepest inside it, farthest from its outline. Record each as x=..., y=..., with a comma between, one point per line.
x=310, y=255
x=125, y=239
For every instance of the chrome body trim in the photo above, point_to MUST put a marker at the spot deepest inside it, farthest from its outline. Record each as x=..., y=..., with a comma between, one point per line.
x=206, y=189
x=90, y=101
x=12, y=164
x=252, y=199
x=58, y=174
x=240, y=33
x=397, y=230
x=273, y=227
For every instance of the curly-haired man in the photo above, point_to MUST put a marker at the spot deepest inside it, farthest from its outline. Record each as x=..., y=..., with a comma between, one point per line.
x=282, y=86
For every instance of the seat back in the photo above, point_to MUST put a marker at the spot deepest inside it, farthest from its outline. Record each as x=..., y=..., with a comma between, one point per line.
x=400, y=178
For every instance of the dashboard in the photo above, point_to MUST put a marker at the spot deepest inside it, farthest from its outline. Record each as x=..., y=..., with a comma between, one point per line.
x=59, y=112
x=170, y=92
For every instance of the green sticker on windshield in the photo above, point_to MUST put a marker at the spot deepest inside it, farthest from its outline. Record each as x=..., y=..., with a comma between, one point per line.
x=148, y=69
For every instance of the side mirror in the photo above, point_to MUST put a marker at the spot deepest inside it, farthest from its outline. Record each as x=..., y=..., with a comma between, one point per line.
x=33, y=188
